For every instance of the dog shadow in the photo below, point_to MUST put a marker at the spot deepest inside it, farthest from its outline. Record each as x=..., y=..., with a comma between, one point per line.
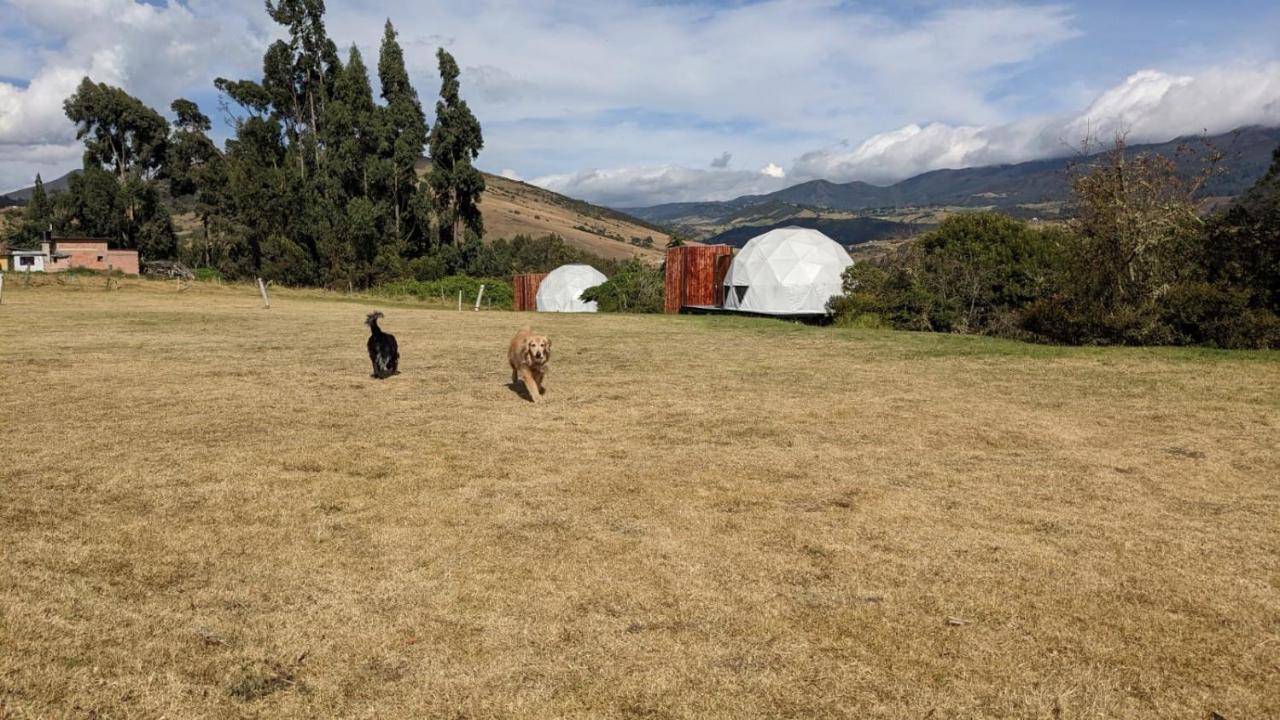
x=519, y=389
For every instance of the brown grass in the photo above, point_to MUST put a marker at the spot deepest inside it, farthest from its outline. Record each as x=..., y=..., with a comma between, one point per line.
x=210, y=510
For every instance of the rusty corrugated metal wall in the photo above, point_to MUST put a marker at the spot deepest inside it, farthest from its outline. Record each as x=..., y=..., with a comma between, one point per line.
x=694, y=275
x=525, y=291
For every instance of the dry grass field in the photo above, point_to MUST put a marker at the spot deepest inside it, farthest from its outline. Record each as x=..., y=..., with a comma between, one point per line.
x=210, y=510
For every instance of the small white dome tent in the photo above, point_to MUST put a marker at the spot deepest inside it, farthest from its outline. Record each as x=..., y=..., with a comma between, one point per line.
x=561, y=288
x=789, y=271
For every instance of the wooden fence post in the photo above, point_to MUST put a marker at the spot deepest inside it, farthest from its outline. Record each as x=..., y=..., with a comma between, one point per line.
x=1, y=287
x=262, y=288
x=459, y=299
x=478, y=296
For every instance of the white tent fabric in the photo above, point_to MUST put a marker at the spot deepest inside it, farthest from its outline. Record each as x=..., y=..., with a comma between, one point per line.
x=789, y=271
x=561, y=287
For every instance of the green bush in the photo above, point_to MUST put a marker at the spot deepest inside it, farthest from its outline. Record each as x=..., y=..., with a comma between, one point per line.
x=207, y=274
x=497, y=291
x=634, y=288
x=285, y=262
x=972, y=274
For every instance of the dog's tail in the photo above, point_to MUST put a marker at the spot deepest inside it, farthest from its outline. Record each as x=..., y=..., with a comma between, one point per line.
x=372, y=319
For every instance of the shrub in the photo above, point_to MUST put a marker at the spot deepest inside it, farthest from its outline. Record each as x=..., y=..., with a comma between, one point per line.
x=207, y=274
x=972, y=274
x=497, y=291
x=635, y=288
x=285, y=262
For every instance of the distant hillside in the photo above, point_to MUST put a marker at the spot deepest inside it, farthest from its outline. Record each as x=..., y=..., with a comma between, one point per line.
x=848, y=232
x=1021, y=189
x=514, y=208
x=20, y=197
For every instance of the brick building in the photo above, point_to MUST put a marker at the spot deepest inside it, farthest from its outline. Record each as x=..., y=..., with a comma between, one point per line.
x=57, y=254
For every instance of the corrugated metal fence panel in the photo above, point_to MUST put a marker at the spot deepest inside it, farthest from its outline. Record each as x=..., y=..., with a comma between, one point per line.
x=524, y=289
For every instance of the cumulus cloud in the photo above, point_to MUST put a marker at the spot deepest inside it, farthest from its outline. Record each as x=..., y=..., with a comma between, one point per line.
x=510, y=174
x=156, y=53
x=652, y=185
x=721, y=162
x=1149, y=106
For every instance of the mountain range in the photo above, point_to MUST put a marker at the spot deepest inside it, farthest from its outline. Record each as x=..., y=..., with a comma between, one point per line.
x=1029, y=189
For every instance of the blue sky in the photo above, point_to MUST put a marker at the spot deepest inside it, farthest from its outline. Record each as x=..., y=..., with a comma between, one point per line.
x=627, y=102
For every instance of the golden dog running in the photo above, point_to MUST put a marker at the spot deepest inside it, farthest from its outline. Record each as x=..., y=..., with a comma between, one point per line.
x=529, y=355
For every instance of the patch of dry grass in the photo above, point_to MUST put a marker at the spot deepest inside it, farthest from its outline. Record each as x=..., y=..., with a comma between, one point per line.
x=208, y=509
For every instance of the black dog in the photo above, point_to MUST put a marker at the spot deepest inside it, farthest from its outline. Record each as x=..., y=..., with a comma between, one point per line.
x=383, y=351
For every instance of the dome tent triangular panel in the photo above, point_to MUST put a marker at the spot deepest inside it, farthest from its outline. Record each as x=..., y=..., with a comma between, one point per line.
x=789, y=271
x=561, y=288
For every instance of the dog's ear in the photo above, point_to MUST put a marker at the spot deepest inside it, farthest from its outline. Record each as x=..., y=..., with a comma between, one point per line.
x=548, y=340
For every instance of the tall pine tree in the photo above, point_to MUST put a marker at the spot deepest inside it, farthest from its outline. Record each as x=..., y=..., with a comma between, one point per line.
x=456, y=140
x=195, y=167
x=36, y=216
x=352, y=131
x=404, y=137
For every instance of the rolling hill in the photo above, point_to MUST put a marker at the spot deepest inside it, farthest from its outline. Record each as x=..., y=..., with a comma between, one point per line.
x=20, y=197
x=513, y=208
x=1029, y=188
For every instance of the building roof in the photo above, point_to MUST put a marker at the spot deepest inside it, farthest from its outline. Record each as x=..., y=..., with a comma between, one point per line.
x=104, y=241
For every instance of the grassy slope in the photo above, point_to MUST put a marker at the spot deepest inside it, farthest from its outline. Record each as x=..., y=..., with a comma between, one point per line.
x=208, y=509
x=511, y=208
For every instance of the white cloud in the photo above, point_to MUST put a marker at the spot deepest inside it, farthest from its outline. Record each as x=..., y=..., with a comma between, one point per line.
x=510, y=174
x=721, y=161
x=652, y=185
x=156, y=53
x=1149, y=106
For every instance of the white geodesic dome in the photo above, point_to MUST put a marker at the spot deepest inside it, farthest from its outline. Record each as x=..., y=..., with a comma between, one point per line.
x=561, y=287
x=789, y=271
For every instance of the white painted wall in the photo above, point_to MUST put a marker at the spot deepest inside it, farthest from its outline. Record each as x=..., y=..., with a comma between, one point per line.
x=37, y=263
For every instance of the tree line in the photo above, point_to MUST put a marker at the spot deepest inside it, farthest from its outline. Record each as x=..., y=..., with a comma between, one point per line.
x=1139, y=263
x=320, y=184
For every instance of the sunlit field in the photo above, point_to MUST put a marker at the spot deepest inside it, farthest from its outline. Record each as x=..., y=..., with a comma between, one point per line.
x=208, y=509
